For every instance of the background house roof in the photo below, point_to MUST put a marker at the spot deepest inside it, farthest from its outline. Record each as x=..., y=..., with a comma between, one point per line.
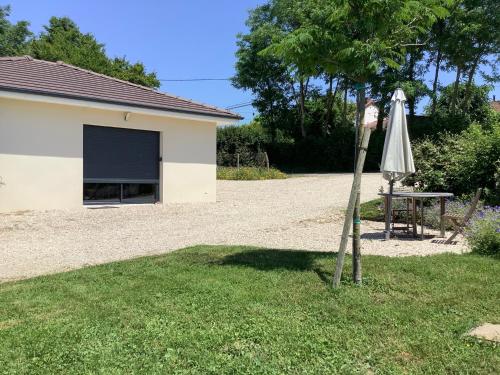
x=28, y=75
x=495, y=104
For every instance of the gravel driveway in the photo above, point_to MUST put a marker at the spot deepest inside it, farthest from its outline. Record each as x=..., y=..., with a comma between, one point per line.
x=297, y=213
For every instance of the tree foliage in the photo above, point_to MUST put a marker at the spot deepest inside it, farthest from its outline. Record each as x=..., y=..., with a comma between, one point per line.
x=62, y=40
x=300, y=59
x=478, y=111
x=14, y=38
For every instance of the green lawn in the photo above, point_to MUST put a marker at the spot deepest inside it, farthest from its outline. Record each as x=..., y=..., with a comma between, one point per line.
x=219, y=310
x=372, y=211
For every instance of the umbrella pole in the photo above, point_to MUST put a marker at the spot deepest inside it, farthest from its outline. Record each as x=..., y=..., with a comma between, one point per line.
x=388, y=215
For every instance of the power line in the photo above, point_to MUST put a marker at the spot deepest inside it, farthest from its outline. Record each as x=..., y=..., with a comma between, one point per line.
x=194, y=79
x=237, y=104
x=240, y=105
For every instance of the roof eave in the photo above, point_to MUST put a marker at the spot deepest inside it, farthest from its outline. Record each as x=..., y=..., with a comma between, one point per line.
x=225, y=118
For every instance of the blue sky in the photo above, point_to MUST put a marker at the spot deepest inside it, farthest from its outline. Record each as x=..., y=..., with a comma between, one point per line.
x=177, y=39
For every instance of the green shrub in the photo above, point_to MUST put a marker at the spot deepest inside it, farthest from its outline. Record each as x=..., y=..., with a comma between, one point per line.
x=483, y=232
x=329, y=153
x=247, y=141
x=372, y=210
x=460, y=163
x=249, y=173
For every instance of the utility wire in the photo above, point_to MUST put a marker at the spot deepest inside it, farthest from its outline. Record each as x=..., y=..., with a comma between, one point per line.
x=194, y=79
x=239, y=105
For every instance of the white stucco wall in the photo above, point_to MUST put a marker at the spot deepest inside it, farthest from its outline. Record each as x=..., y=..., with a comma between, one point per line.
x=41, y=154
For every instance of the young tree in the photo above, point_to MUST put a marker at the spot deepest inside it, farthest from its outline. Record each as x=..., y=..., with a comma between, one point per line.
x=361, y=36
x=352, y=38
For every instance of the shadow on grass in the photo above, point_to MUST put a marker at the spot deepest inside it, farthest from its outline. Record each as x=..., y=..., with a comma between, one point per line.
x=272, y=259
x=275, y=259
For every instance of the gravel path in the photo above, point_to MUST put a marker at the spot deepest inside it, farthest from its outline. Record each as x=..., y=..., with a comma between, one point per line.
x=297, y=213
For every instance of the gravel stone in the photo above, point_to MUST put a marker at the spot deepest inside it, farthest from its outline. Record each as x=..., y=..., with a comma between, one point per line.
x=297, y=213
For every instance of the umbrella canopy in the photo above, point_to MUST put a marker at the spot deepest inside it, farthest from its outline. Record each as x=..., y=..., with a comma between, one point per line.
x=397, y=159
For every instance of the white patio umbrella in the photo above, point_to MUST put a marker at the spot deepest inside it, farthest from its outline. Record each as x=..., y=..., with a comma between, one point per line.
x=397, y=159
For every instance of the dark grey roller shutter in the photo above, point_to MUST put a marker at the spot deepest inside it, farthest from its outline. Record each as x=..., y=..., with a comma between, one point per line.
x=121, y=155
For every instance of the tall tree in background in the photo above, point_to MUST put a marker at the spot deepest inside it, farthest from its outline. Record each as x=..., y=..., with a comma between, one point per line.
x=14, y=38
x=435, y=50
x=62, y=40
x=473, y=35
x=484, y=29
x=279, y=80
x=296, y=48
x=410, y=77
x=267, y=77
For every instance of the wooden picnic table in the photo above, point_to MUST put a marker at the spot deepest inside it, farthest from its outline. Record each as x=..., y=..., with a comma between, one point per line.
x=419, y=196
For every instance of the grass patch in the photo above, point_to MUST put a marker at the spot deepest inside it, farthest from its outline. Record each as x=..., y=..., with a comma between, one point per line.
x=249, y=173
x=372, y=210
x=215, y=310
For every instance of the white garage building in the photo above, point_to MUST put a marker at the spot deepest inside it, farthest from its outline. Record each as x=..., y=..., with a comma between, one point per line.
x=69, y=137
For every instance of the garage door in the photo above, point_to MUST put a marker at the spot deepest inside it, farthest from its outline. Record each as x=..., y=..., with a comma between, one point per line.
x=120, y=165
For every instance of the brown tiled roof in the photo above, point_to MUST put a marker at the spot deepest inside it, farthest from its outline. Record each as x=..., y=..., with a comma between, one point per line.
x=28, y=75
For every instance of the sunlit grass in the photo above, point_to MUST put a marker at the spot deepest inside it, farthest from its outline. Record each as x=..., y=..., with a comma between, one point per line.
x=217, y=310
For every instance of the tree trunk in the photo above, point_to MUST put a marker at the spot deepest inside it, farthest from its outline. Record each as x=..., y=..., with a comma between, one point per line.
x=440, y=25
x=356, y=222
x=470, y=80
x=381, y=115
x=328, y=104
x=454, y=98
x=333, y=98
x=411, y=78
x=356, y=183
x=344, y=114
x=436, y=81
x=302, y=107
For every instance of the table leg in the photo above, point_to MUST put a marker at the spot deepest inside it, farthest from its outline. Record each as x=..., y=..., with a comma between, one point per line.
x=442, y=212
x=387, y=218
x=421, y=219
x=414, y=216
x=407, y=215
x=386, y=203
